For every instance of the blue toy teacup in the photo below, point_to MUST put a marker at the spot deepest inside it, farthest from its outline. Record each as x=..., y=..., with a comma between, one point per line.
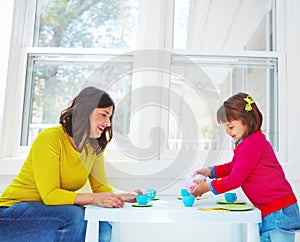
x=184, y=192
x=188, y=201
x=142, y=199
x=230, y=197
x=151, y=193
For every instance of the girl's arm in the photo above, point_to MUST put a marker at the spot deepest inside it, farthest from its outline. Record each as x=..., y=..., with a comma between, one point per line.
x=218, y=171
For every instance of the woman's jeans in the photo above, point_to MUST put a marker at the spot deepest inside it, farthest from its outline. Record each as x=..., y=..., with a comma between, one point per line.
x=34, y=221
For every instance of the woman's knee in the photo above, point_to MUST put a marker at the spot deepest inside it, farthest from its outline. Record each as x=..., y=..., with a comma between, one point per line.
x=74, y=225
x=36, y=220
x=73, y=216
x=72, y=212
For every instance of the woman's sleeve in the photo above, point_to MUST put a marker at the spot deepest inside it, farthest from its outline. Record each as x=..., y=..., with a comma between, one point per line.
x=46, y=155
x=97, y=177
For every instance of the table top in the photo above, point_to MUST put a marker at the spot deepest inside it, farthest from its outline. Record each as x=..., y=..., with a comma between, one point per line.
x=170, y=209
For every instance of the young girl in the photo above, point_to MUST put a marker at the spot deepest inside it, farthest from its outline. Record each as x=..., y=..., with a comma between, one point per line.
x=255, y=169
x=42, y=203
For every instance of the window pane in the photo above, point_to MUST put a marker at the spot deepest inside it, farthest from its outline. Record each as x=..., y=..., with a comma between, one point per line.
x=89, y=24
x=224, y=25
x=54, y=82
x=196, y=86
x=204, y=83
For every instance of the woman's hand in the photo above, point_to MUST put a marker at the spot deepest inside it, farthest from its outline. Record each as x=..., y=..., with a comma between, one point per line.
x=203, y=171
x=103, y=199
x=201, y=188
x=108, y=200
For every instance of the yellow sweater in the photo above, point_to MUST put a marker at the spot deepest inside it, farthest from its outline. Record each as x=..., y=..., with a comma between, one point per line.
x=54, y=171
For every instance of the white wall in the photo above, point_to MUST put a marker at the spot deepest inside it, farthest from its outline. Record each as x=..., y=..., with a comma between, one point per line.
x=6, y=14
x=293, y=87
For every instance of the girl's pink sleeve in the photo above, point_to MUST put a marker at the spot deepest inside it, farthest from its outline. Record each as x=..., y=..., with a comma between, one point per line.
x=233, y=175
x=223, y=170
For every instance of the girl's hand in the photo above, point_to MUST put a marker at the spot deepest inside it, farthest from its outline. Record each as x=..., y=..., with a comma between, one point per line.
x=200, y=189
x=108, y=200
x=203, y=171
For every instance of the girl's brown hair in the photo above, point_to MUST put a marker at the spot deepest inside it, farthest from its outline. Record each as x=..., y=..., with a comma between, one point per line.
x=76, y=118
x=234, y=108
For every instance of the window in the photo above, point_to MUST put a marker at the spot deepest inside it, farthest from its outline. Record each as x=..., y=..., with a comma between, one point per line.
x=55, y=80
x=204, y=82
x=167, y=64
x=224, y=25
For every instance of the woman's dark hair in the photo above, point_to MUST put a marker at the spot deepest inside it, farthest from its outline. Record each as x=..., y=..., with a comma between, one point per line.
x=76, y=118
x=234, y=108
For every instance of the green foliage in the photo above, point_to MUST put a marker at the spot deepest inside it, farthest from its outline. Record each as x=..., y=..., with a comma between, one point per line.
x=80, y=23
x=76, y=24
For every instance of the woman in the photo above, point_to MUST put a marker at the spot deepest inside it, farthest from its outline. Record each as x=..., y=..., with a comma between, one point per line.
x=42, y=202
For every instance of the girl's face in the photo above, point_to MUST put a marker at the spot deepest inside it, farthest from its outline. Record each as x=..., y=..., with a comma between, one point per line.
x=236, y=129
x=99, y=120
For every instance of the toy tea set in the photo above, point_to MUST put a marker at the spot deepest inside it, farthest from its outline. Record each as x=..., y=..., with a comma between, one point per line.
x=229, y=203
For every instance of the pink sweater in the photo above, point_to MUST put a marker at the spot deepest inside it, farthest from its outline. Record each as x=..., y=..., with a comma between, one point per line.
x=256, y=169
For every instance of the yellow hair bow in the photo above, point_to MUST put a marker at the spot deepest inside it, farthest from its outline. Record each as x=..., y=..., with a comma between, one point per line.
x=249, y=101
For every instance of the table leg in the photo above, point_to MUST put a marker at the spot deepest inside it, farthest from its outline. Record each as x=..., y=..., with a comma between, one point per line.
x=236, y=233
x=252, y=233
x=92, y=233
x=115, y=237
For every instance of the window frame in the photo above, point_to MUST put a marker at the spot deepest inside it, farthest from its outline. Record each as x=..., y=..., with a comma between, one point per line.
x=22, y=37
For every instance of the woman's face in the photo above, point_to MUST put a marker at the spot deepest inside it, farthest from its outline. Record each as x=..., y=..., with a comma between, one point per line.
x=99, y=120
x=236, y=129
